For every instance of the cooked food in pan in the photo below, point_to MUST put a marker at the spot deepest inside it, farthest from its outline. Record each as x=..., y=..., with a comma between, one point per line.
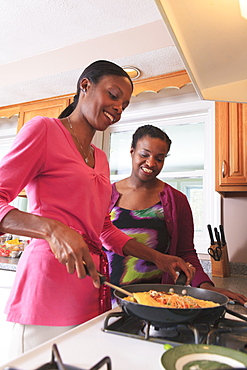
x=169, y=300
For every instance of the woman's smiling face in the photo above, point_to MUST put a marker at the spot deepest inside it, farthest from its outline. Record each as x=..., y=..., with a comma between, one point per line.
x=104, y=102
x=148, y=157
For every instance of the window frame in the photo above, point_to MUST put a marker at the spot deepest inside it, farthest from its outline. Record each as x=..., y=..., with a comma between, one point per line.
x=159, y=113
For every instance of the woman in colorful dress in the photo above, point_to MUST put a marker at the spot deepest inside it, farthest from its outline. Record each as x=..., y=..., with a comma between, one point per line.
x=156, y=214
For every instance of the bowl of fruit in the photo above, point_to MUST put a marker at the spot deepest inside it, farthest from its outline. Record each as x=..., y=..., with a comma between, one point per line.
x=11, y=247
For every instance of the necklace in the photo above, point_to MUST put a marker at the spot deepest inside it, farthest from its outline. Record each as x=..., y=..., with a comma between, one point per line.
x=86, y=159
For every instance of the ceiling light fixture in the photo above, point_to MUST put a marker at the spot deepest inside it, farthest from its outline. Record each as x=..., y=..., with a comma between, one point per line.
x=133, y=72
x=243, y=8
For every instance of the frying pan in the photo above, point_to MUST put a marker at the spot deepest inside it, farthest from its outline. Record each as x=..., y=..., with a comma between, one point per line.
x=166, y=316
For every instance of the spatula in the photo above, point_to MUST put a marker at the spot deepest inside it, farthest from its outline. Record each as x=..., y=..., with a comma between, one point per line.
x=104, y=281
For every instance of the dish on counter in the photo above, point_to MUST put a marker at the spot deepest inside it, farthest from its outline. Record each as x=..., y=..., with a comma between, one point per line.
x=12, y=248
x=202, y=357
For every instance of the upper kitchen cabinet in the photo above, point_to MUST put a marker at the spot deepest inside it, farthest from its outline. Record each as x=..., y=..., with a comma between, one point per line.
x=46, y=108
x=231, y=148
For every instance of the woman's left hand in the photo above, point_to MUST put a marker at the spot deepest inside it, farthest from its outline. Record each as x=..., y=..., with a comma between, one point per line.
x=173, y=265
x=231, y=295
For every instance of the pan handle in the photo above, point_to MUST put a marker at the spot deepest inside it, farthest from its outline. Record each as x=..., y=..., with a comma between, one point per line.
x=182, y=278
x=236, y=314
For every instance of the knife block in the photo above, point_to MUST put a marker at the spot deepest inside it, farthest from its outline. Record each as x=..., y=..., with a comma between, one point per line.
x=221, y=268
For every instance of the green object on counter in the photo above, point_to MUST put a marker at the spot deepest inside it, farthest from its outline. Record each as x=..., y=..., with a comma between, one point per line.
x=167, y=346
x=203, y=357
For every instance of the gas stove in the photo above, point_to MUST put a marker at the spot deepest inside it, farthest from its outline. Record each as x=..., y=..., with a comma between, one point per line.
x=224, y=332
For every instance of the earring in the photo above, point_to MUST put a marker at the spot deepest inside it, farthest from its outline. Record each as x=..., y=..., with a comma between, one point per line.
x=82, y=90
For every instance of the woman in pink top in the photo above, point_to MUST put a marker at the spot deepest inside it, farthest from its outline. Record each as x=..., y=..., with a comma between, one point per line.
x=67, y=184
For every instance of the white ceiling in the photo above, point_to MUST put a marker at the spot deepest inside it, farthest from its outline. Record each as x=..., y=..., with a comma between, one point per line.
x=211, y=37
x=45, y=44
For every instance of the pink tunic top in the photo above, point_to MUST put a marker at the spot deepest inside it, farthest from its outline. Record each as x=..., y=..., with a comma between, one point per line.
x=60, y=186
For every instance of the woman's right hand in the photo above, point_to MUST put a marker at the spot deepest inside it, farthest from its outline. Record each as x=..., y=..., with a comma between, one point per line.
x=71, y=250
x=68, y=245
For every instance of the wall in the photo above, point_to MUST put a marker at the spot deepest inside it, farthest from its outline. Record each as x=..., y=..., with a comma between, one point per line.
x=234, y=211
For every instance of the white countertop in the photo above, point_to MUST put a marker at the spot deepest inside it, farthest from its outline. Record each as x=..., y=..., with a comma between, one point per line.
x=87, y=344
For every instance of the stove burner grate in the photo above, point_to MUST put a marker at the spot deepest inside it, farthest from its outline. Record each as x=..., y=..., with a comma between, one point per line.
x=56, y=363
x=230, y=334
x=224, y=332
x=135, y=328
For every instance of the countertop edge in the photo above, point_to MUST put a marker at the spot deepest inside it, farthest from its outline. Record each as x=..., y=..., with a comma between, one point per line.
x=236, y=268
x=8, y=263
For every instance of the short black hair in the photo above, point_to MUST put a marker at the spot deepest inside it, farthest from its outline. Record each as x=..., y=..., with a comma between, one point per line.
x=151, y=131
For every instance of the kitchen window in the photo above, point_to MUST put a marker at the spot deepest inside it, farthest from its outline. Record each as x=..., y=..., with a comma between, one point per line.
x=190, y=166
x=8, y=129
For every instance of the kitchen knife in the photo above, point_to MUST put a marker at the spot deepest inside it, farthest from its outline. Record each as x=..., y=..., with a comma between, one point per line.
x=210, y=234
x=222, y=234
x=217, y=235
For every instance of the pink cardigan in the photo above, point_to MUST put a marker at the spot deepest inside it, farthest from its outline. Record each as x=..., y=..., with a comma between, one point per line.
x=59, y=185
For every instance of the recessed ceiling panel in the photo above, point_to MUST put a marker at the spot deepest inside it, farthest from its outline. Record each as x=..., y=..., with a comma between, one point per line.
x=211, y=38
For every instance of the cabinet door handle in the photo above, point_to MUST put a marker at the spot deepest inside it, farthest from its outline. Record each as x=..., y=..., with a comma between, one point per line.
x=223, y=169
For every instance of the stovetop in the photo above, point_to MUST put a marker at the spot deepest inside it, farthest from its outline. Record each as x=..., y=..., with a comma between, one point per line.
x=85, y=345
x=229, y=333
x=225, y=332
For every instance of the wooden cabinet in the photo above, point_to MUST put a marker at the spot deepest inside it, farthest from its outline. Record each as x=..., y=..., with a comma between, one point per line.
x=231, y=147
x=46, y=108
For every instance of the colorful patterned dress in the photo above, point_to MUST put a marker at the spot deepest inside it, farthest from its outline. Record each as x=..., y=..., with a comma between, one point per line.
x=147, y=226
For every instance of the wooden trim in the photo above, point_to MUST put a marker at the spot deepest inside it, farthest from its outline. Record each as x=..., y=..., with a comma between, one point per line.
x=155, y=84
x=10, y=111
x=21, y=105
x=171, y=80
